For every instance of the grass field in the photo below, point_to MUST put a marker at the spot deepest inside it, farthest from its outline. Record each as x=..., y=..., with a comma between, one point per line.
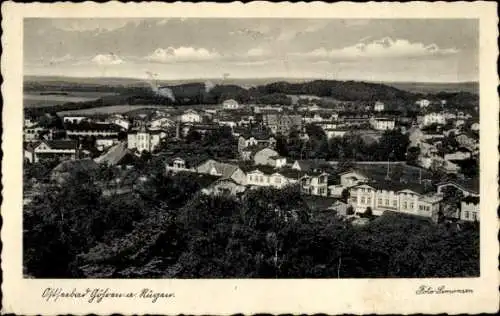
x=45, y=98
x=114, y=109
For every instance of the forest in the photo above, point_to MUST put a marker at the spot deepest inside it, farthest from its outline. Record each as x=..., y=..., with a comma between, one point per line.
x=273, y=93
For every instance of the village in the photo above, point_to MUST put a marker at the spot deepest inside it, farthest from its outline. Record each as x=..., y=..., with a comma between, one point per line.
x=353, y=164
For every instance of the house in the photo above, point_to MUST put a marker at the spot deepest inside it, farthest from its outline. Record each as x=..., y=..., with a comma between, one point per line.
x=103, y=143
x=469, y=209
x=222, y=170
x=338, y=132
x=34, y=133
x=378, y=106
x=29, y=122
x=315, y=183
x=335, y=190
x=54, y=149
x=190, y=116
x=224, y=187
x=186, y=163
x=381, y=196
x=263, y=157
x=423, y=103
x=117, y=155
x=87, y=129
x=230, y=105
x=144, y=139
x=259, y=139
x=433, y=118
x=262, y=176
x=352, y=178
x=74, y=119
x=282, y=123
x=161, y=123
x=63, y=170
x=382, y=124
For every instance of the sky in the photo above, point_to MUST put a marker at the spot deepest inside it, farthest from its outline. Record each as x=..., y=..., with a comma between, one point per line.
x=394, y=50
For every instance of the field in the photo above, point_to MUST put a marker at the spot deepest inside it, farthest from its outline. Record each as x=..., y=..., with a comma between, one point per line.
x=114, y=109
x=49, y=98
x=426, y=88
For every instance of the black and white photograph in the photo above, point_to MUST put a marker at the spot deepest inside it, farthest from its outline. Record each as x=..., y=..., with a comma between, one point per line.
x=250, y=148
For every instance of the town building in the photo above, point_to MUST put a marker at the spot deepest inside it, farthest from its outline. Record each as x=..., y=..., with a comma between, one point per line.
x=468, y=187
x=469, y=209
x=230, y=105
x=272, y=178
x=255, y=139
x=269, y=157
x=282, y=123
x=433, y=118
x=393, y=196
x=118, y=155
x=315, y=183
x=382, y=124
x=378, y=106
x=423, y=103
x=52, y=149
x=222, y=170
x=190, y=116
x=74, y=119
x=144, y=139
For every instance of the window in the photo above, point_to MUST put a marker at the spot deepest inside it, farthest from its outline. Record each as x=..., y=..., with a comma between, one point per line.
x=387, y=202
x=405, y=205
x=474, y=215
x=362, y=200
x=251, y=178
x=420, y=208
x=379, y=201
x=411, y=205
x=395, y=203
x=466, y=215
x=369, y=200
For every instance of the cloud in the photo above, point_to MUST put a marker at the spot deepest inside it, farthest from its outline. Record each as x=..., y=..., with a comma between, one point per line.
x=256, y=52
x=382, y=48
x=171, y=54
x=107, y=59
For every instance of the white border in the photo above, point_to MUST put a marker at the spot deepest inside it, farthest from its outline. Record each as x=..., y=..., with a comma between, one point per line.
x=23, y=296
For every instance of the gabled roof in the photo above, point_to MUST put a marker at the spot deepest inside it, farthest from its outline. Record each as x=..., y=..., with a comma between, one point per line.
x=306, y=165
x=60, y=144
x=114, y=155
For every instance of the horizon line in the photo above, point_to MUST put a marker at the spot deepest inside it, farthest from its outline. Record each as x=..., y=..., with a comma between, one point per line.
x=251, y=78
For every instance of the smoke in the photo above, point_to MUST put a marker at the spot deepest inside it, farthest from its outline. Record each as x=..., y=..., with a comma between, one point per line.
x=160, y=91
x=209, y=85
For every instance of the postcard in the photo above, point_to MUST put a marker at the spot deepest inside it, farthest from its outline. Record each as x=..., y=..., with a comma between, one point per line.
x=250, y=158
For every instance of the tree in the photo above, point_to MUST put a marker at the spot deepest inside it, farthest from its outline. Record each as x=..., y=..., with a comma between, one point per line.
x=350, y=210
x=345, y=195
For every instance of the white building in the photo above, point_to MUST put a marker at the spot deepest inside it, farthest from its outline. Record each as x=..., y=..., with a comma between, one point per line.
x=277, y=180
x=382, y=124
x=74, y=119
x=123, y=123
x=434, y=118
x=423, y=103
x=190, y=116
x=230, y=105
x=380, y=199
x=144, y=139
x=60, y=149
x=379, y=106
x=469, y=211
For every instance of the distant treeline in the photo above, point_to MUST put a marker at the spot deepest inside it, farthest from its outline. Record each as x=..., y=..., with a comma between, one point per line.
x=273, y=93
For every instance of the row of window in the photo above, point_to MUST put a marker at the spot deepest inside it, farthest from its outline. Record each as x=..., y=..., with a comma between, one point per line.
x=470, y=215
